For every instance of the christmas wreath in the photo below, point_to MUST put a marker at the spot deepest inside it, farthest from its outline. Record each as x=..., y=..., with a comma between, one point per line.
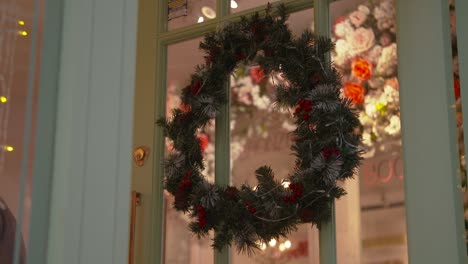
x=325, y=142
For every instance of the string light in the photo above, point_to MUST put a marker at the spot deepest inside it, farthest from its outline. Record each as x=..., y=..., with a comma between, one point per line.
x=272, y=242
x=9, y=148
x=3, y=99
x=287, y=244
x=21, y=22
x=234, y=4
x=23, y=32
x=201, y=19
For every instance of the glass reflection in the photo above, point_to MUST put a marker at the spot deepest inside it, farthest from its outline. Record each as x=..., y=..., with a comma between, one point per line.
x=366, y=56
x=180, y=245
x=17, y=113
x=260, y=135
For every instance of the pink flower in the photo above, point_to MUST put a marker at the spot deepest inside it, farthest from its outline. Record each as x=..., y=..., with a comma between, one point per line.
x=361, y=40
x=343, y=29
x=357, y=18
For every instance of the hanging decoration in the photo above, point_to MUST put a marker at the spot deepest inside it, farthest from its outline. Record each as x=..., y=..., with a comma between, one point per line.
x=325, y=142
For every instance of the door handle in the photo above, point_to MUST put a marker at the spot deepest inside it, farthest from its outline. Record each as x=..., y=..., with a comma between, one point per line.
x=136, y=201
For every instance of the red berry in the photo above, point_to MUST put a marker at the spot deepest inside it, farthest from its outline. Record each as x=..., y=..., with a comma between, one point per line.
x=306, y=116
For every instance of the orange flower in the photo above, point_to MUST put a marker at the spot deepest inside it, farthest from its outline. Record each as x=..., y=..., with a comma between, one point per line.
x=362, y=69
x=355, y=92
x=203, y=141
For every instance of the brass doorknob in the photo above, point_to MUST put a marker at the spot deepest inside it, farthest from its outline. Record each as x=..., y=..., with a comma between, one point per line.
x=140, y=155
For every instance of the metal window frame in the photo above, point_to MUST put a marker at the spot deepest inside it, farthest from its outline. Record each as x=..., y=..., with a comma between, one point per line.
x=164, y=38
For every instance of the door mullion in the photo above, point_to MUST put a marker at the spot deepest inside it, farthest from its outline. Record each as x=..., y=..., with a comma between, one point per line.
x=327, y=235
x=223, y=138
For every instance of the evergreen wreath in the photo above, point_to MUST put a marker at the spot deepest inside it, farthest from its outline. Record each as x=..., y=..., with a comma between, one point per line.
x=325, y=141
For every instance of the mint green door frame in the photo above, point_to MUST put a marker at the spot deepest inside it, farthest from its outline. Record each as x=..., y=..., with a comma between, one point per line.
x=94, y=76
x=222, y=148
x=433, y=195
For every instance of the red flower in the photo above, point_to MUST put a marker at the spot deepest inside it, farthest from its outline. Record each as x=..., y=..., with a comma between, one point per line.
x=201, y=217
x=203, y=141
x=240, y=56
x=185, y=182
x=355, y=92
x=327, y=153
x=195, y=88
x=457, y=88
x=257, y=74
x=315, y=78
x=185, y=107
x=362, y=69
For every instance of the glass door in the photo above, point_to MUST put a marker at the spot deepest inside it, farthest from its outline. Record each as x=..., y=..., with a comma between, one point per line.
x=370, y=221
x=27, y=101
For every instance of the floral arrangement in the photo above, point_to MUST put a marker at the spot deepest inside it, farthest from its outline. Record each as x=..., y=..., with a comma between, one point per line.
x=366, y=56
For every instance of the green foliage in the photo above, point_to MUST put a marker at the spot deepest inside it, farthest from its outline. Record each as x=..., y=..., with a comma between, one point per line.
x=325, y=141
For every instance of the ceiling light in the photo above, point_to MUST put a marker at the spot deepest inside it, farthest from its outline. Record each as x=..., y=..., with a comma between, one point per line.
x=234, y=4
x=208, y=12
x=3, y=99
x=201, y=19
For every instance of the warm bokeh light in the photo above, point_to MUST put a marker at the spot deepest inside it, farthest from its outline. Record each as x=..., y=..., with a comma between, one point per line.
x=3, y=99
x=287, y=244
x=21, y=22
x=23, y=32
x=9, y=148
x=234, y=4
x=272, y=242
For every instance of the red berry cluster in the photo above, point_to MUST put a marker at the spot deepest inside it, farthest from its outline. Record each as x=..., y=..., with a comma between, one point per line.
x=304, y=108
x=240, y=56
x=251, y=209
x=185, y=182
x=201, y=217
x=195, y=88
x=327, y=153
x=296, y=193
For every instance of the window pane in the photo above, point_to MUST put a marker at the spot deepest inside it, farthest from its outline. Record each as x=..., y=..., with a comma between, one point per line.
x=180, y=245
x=260, y=136
x=366, y=56
x=240, y=5
x=183, y=13
x=18, y=111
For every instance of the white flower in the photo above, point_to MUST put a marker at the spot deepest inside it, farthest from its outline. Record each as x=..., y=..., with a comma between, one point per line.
x=394, y=127
x=364, y=9
x=357, y=18
x=388, y=60
x=373, y=54
x=362, y=39
x=367, y=139
x=343, y=29
x=385, y=15
x=288, y=126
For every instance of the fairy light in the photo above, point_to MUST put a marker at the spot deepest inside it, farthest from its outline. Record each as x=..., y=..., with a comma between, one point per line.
x=272, y=242
x=23, y=32
x=234, y=4
x=9, y=148
x=3, y=99
x=286, y=184
x=287, y=244
x=282, y=247
x=201, y=19
x=21, y=22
